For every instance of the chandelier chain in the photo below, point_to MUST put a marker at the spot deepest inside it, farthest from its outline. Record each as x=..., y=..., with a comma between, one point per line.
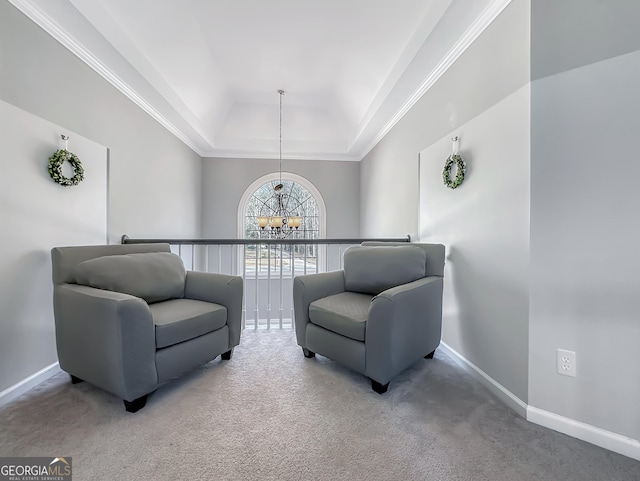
x=281, y=92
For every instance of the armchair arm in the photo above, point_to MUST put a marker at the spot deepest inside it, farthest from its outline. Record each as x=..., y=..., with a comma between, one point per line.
x=106, y=338
x=221, y=289
x=404, y=324
x=309, y=288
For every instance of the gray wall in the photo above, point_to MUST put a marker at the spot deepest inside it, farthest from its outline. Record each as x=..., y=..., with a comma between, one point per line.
x=224, y=182
x=582, y=273
x=154, y=180
x=486, y=221
x=486, y=290
x=486, y=73
x=573, y=33
x=31, y=224
x=585, y=271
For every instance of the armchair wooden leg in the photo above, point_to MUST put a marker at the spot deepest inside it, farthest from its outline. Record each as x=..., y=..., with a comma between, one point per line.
x=227, y=355
x=307, y=353
x=74, y=379
x=136, y=404
x=430, y=355
x=379, y=388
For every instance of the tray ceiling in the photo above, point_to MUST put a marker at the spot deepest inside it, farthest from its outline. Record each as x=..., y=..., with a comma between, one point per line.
x=209, y=70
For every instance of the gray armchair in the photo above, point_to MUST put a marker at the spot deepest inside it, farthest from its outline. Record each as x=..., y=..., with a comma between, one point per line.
x=379, y=315
x=129, y=318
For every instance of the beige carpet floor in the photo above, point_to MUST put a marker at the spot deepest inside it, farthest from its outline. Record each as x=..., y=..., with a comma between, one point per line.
x=271, y=414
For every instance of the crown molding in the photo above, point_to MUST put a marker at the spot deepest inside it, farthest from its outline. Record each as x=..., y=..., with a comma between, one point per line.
x=253, y=154
x=40, y=18
x=467, y=39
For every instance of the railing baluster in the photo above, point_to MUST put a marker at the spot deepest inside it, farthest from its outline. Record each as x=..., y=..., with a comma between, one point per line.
x=269, y=287
x=281, y=308
x=326, y=259
x=257, y=310
x=244, y=277
x=293, y=274
x=305, y=259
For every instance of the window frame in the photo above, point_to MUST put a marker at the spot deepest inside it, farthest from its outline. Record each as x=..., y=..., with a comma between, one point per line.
x=270, y=178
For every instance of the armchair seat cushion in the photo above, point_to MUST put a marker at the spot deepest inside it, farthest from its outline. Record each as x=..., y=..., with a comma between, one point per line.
x=344, y=313
x=180, y=320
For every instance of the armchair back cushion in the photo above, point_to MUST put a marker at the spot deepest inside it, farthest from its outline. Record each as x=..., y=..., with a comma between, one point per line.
x=435, y=255
x=65, y=259
x=152, y=276
x=371, y=270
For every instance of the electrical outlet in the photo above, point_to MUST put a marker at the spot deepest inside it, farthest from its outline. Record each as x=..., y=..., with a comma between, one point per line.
x=566, y=362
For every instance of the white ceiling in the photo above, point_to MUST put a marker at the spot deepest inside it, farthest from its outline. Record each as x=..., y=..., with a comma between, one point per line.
x=209, y=70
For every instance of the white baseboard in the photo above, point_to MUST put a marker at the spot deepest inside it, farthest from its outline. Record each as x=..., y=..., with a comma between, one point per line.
x=586, y=432
x=25, y=385
x=506, y=396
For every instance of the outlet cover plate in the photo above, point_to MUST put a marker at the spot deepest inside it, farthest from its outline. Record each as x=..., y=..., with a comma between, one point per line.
x=566, y=362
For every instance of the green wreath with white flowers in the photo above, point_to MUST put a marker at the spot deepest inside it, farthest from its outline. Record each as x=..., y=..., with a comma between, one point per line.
x=446, y=173
x=57, y=159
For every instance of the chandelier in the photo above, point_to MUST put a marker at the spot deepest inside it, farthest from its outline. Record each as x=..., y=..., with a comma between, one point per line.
x=277, y=213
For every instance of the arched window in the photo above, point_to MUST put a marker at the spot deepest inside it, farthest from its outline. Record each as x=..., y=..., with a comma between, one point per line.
x=301, y=198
